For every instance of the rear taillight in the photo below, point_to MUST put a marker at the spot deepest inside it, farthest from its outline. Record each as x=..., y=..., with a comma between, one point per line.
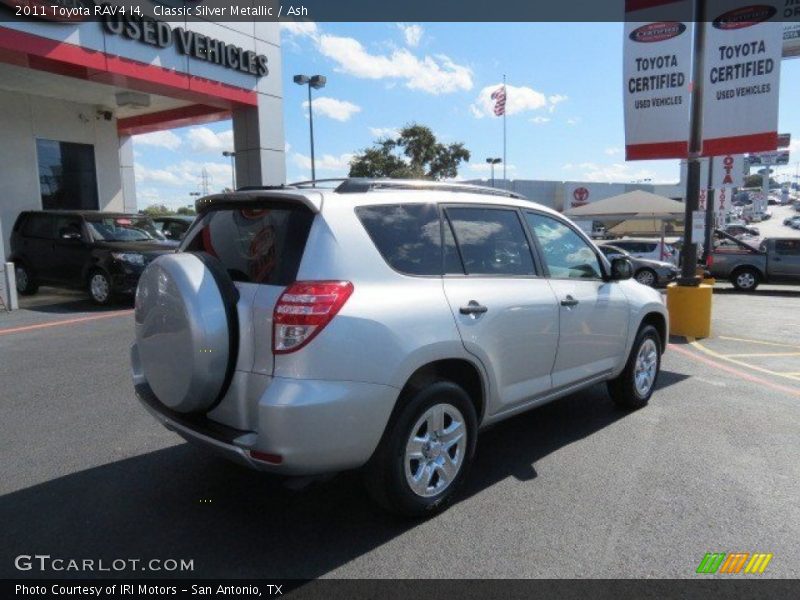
x=710, y=261
x=303, y=310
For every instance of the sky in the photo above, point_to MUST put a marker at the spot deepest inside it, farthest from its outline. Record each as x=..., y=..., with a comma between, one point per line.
x=564, y=108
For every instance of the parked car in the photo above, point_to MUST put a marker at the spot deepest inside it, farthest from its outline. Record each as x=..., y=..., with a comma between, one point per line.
x=103, y=253
x=775, y=260
x=791, y=220
x=648, y=272
x=173, y=227
x=380, y=325
x=652, y=249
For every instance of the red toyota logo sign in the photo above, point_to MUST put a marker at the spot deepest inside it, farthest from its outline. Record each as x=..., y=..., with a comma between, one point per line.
x=580, y=196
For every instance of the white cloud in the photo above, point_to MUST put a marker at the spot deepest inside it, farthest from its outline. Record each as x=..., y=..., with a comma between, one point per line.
x=203, y=139
x=411, y=33
x=614, y=173
x=555, y=100
x=384, y=132
x=573, y=120
x=326, y=162
x=613, y=151
x=187, y=173
x=162, y=139
x=518, y=99
x=432, y=74
x=540, y=120
x=300, y=28
x=340, y=110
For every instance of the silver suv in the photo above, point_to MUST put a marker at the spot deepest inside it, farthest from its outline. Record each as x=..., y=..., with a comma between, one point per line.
x=380, y=325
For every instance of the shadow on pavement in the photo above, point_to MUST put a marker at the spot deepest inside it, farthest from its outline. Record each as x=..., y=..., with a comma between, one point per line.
x=180, y=502
x=58, y=301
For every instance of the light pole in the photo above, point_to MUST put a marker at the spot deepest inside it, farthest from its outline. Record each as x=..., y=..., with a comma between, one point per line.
x=317, y=82
x=231, y=155
x=492, y=162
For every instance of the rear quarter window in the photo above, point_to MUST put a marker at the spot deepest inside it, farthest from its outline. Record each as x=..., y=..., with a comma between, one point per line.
x=408, y=236
x=38, y=226
x=255, y=243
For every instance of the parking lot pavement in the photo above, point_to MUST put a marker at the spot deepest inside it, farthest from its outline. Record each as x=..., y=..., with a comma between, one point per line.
x=774, y=227
x=576, y=488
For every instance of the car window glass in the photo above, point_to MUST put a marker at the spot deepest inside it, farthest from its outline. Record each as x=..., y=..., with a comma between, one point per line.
x=787, y=247
x=38, y=226
x=491, y=241
x=452, y=260
x=566, y=253
x=408, y=236
x=68, y=226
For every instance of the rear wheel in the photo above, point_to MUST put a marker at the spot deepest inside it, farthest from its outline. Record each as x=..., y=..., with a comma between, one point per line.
x=99, y=288
x=646, y=277
x=634, y=386
x=425, y=452
x=745, y=280
x=26, y=284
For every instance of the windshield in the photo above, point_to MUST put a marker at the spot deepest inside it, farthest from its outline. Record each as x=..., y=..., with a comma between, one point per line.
x=123, y=229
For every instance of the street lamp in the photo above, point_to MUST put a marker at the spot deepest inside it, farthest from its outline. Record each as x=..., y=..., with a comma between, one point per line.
x=492, y=162
x=317, y=82
x=230, y=155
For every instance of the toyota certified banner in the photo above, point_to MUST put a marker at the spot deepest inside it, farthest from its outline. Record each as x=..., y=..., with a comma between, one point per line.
x=744, y=41
x=657, y=72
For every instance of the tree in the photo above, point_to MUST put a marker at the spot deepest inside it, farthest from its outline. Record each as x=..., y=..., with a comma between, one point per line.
x=157, y=210
x=414, y=154
x=186, y=210
x=754, y=181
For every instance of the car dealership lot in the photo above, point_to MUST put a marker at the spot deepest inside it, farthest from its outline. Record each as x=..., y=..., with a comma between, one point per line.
x=574, y=489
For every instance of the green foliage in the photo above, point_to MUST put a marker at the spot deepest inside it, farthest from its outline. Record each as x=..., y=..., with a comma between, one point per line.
x=186, y=210
x=157, y=210
x=414, y=154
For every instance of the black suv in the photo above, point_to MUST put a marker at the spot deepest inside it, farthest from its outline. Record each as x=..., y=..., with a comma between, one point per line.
x=103, y=253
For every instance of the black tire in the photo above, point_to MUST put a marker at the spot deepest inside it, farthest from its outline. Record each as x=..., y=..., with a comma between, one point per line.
x=623, y=389
x=385, y=474
x=649, y=274
x=93, y=287
x=745, y=279
x=26, y=282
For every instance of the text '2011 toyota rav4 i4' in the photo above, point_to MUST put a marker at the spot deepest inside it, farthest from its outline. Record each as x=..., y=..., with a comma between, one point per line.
x=380, y=325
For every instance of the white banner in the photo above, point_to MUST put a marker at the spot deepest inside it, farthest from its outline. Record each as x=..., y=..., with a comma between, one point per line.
x=656, y=74
x=728, y=171
x=741, y=76
x=791, y=29
x=722, y=204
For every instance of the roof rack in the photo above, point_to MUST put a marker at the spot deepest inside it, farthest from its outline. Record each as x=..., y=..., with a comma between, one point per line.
x=361, y=185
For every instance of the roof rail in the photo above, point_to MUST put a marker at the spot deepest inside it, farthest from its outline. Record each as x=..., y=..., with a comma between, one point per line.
x=361, y=185
x=316, y=183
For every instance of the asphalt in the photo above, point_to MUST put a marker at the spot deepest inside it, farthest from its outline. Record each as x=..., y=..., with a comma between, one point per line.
x=576, y=488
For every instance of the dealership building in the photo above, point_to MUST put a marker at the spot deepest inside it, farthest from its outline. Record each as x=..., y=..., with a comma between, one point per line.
x=73, y=93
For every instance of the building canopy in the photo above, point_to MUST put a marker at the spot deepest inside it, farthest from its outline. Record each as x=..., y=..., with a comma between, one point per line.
x=637, y=204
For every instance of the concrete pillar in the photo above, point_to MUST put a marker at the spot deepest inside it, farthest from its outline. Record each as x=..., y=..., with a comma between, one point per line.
x=127, y=176
x=259, y=143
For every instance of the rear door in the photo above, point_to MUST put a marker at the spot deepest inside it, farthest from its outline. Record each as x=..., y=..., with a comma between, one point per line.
x=70, y=254
x=593, y=313
x=784, y=260
x=36, y=243
x=260, y=244
x=505, y=310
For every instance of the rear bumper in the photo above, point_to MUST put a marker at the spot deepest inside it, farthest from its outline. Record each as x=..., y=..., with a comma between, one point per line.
x=314, y=426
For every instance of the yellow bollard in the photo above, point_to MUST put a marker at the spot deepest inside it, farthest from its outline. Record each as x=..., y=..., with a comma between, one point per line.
x=689, y=310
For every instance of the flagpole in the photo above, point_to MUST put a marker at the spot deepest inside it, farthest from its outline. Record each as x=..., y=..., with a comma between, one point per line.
x=505, y=93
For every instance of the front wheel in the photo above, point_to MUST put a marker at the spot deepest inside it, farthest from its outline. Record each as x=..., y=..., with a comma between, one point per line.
x=646, y=277
x=745, y=280
x=99, y=288
x=634, y=386
x=425, y=452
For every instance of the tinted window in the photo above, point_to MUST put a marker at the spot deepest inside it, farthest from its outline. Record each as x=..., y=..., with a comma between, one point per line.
x=408, y=236
x=787, y=246
x=38, y=226
x=67, y=175
x=122, y=229
x=258, y=244
x=566, y=253
x=491, y=241
x=68, y=225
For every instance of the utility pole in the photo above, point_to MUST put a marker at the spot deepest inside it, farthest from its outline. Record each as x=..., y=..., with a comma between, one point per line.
x=204, y=177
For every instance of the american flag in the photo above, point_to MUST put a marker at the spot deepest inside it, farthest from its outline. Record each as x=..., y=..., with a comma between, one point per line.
x=499, y=97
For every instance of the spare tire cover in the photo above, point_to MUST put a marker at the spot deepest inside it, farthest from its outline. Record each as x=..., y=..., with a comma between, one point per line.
x=183, y=331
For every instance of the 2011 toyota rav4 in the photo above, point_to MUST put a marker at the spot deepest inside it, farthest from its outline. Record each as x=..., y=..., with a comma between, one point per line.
x=381, y=325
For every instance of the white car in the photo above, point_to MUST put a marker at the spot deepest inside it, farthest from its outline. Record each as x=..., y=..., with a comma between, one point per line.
x=651, y=249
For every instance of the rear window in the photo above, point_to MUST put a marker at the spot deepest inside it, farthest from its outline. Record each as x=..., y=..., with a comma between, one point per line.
x=256, y=244
x=408, y=236
x=38, y=226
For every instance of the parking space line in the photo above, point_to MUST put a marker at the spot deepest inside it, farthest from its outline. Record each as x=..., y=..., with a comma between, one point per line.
x=741, y=363
x=108, y=315
x=739, y=374
x=762, y=342
x=759, y=354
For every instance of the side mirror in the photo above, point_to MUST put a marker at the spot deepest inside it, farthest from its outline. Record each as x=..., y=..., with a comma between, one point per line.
x=621, y=268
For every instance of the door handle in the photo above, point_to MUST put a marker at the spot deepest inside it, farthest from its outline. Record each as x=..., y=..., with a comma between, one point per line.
x=569, y=301
x=473, y=308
